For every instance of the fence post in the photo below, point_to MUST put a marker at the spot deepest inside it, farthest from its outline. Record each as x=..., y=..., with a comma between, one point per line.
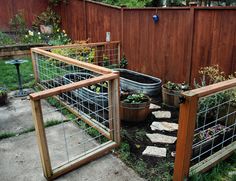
x=122, y=30
x=35, y=66
x=187, y=119
x=41, y=138
x=115, y=94
x=191, y=40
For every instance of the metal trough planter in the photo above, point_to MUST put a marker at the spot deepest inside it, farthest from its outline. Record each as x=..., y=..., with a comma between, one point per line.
x=92, y=97
x=139, y=83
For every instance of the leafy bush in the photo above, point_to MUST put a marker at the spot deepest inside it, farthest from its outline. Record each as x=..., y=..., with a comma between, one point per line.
x=123, y=62
x=210, y=75
x=176, y=86
x=17, y=23
x=59, y=38
x=5, y=39
x=134, y=98
x=48, y=17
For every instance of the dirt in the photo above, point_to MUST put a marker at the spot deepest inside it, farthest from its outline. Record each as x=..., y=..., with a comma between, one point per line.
x=135, y=136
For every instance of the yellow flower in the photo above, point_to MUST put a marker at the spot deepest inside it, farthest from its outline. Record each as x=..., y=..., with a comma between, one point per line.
x=31, y=33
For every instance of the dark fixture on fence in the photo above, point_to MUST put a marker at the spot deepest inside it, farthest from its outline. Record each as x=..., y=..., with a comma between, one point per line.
x=155, y=18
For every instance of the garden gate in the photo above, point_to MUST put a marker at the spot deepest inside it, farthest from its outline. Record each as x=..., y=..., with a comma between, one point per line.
x=87, y=98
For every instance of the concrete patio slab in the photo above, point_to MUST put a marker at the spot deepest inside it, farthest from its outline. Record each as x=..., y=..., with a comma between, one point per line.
x=20, y=160
x=16, y=116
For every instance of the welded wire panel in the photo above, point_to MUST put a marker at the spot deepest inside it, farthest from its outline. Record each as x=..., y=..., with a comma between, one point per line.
x=54, y=73
x=215, y=124
x=83, y=126
x=106, y=55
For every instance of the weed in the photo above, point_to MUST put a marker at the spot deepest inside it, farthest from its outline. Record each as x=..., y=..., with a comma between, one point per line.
x=4, y=135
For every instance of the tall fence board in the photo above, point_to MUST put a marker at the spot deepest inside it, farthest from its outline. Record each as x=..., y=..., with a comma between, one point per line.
x=214, y=39
x=158, y=49
x=101, y=19
x=30, y=8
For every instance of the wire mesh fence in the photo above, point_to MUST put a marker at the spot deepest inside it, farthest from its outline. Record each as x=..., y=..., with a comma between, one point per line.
x=207, y=128
x=84, y=99
x=105, y=55
x=215, y=124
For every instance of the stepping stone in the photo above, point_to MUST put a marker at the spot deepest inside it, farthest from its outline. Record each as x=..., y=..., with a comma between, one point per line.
x=164, y=126
x=173, y=153
x=161, y=138
x=154, y=106
x=154, y=151
x=162, y=114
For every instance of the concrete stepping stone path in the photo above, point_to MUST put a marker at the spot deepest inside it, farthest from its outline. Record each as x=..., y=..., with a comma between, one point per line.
x=162, y=114
x=164, y=126
x=161, y=138
x=155, y=151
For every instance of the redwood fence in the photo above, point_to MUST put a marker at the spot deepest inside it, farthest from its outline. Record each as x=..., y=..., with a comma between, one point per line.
x=30, y=8
x=175, y=48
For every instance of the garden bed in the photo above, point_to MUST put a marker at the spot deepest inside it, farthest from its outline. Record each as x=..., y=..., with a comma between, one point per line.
x=18, y=49
x=134, y=142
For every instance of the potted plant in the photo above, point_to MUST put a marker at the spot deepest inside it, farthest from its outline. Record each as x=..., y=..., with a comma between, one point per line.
x=171, y=92
x=3, y=96
x=134, y=107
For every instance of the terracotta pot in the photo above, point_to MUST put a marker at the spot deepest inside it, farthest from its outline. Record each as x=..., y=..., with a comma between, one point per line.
x=3, y=99
x=170, y=97
x=134, y=112
x=46, y=29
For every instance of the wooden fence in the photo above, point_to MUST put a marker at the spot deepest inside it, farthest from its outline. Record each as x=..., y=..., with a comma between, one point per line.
x=30, y=8
x=184, y=39
x=175, y=48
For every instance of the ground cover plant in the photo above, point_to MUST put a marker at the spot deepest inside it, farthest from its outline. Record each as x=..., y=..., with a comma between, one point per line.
x=224, y=171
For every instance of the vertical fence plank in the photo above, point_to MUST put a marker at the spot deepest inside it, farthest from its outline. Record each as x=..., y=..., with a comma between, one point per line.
x=187, y=118
x=41, y=138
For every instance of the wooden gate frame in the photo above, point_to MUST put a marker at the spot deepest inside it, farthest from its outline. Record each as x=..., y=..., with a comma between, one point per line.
x=35, y=98
x=187, y=118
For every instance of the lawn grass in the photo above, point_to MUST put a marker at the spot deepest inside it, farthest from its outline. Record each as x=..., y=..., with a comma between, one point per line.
x=8, y=76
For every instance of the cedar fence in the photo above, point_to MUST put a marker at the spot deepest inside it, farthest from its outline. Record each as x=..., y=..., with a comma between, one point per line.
x=175, y=48
x=184, y=39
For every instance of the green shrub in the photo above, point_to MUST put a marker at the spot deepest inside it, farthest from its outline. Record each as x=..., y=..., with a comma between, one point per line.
x=5, y=39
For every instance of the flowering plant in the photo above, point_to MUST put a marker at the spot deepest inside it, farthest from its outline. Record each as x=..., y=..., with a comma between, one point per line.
x=59, y=38
x=33, y=37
